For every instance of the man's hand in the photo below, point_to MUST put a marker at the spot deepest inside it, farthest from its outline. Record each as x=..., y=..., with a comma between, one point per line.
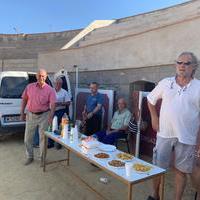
x=50, y=119
x=198, y=152
x=84, y=115
x=23, y=117
x=58, y=104
x=89, y=115
x=109, y=132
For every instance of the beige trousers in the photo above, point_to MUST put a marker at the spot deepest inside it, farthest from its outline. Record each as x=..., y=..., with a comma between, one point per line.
x=32, y=121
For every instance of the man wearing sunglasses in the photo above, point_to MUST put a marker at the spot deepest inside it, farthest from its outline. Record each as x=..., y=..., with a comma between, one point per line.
x=178, y=124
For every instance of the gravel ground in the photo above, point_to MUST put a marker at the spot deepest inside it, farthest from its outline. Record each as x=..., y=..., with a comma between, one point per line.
x=59, y=182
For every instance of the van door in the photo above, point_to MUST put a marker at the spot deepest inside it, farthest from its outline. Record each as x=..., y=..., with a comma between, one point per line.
x=12, y=84
x=66, y=85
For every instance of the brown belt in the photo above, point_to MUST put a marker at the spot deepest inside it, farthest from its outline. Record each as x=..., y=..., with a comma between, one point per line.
x=39, y=113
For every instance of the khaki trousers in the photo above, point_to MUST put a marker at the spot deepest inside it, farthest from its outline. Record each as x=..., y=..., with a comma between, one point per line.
x=32, y=121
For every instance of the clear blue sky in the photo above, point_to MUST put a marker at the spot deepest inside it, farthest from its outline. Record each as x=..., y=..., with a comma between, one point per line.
x=37, y=16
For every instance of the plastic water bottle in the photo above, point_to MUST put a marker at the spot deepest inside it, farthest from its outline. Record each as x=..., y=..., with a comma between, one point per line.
x=64, y=121
x=75, y=134
x=71, y=135
x=55, y=123
x=65, y=133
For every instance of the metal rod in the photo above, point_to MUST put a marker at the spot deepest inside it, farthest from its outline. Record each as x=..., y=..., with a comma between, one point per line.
x=68, y=156
x=76, y=90
x=162, y=186
x=129, y=191
x=137, y=146
x=44, y=153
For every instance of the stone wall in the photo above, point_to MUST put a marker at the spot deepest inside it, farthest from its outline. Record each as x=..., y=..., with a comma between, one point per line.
x=19, y=65
x=120, y=80
x=152, y=39
x=20, y=51
x=141, y=47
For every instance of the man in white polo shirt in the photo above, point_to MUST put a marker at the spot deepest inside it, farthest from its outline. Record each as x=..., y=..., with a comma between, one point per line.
x=63, y=101
x=178, y=124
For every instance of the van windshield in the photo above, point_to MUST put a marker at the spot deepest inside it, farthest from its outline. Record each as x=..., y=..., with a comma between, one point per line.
x=12, y=87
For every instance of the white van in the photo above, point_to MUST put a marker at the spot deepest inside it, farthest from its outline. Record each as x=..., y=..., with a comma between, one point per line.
x=12, y=85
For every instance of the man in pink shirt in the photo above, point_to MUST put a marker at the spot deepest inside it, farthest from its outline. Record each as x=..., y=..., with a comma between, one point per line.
x=39, y=99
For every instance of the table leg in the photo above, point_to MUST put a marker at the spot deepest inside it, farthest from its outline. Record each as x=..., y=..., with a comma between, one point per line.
x=68, y=156
x=162, y=182
x=44, y=153
x=129, y=191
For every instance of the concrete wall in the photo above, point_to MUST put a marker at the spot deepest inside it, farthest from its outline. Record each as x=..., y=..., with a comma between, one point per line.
x=120, y=80
x=162, y=37
x=19, y=65
x=143, y=47
x=20, y=51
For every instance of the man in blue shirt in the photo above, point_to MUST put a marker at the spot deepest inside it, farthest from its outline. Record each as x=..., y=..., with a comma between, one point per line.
x=92, y=112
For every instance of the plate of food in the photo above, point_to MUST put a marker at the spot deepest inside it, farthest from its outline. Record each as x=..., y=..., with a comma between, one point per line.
x=142, y=168
x=90, y=142
x=107, y=147
x=102, y=155
x=116, y=163
x=125, y=156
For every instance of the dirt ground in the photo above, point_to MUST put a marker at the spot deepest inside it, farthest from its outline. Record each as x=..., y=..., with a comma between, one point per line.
x=59, y=182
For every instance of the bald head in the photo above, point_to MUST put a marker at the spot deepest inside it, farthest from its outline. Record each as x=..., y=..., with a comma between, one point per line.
x=41, y=76
x=121, y=104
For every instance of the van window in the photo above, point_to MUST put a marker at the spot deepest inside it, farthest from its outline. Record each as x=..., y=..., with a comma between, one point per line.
x=32, y=79
x=64, y=85
x=12, y=87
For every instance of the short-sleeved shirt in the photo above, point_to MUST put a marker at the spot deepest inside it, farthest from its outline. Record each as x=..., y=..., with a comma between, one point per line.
x=39, y=99
x=92, y=102
x=180, y=109
x=120, y=119
x=62, y=96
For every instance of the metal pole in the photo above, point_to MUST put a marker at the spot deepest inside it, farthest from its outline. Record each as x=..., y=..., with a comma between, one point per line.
x=2, y=65
x=137, y=147
x=76, y=90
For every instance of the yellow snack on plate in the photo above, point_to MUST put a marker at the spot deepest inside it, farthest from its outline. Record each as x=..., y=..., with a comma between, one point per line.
x=141, y=167
x=124, y=156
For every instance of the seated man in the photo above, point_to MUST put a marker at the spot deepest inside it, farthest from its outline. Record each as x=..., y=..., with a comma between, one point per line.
x=92, y=112
x=119, y=124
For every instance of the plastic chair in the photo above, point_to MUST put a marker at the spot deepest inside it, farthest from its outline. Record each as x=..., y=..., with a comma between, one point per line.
x=124, y=139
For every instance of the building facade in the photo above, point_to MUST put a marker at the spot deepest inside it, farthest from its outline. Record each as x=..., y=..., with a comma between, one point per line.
x=117, y=54
x=141, y=47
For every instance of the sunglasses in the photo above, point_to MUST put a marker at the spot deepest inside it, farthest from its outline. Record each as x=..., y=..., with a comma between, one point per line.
x=184, y=63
